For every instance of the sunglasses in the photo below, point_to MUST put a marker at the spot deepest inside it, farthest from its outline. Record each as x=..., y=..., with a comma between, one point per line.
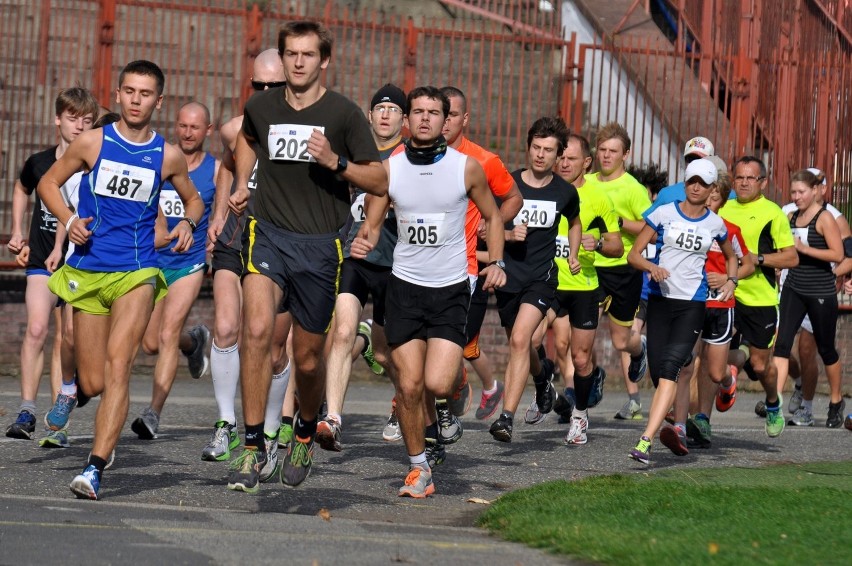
x=259, y=85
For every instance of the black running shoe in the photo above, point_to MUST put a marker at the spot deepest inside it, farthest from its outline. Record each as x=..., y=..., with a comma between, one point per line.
x=501, y=429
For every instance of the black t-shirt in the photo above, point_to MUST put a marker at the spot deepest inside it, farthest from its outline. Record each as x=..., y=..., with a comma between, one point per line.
x=43, y=225
x=292, y=192
x=532, y=259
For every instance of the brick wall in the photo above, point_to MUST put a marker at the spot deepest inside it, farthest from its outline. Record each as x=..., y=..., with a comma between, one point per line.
x=493, y=339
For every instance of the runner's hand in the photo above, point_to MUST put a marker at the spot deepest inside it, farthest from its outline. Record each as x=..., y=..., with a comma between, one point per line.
x=494, y=277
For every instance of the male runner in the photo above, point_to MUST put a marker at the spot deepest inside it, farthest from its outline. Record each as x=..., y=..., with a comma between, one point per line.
x=532, y=274
x=767, y=235
x=184, y=272
x=309, y=143
x=76, y=110
x=428, y=290
x=112, y=279
x=362, y=277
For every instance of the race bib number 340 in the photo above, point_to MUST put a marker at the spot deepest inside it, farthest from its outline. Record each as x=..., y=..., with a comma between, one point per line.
x=289, y=142
x=128, y=182
x=537, y=214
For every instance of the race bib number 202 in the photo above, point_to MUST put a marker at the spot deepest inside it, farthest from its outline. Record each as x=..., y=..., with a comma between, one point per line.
x=289, y=142
x=128, y=182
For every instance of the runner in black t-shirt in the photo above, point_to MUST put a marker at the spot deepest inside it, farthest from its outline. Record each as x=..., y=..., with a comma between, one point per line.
x=76, y=110
x=309, y=143
x=532, y=273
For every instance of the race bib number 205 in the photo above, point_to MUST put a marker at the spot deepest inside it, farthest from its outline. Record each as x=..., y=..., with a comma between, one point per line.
x=289, y=142
x=128, y=182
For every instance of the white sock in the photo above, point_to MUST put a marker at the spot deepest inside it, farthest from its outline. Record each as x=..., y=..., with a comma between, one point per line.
x=225, y=369
x=69, y=389
x=798, y=382
x=275, y=400
x=419, y=460
x=492, y=390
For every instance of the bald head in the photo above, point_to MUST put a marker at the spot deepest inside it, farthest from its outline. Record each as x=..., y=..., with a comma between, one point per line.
x=195, y=108
x=192, y=127
x=268, y=67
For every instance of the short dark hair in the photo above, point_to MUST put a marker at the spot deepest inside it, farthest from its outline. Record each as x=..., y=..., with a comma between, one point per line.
x=746, y=159
x=451, y=91
x=144, y=68
x=108, y=118
x=651, y=176
x=303, y=28
x=585, y=146
x=77, y=101
x=429, y=92
x=549, y=127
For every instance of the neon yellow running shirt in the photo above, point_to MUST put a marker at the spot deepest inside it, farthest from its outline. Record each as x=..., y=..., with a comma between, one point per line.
x=629, y=199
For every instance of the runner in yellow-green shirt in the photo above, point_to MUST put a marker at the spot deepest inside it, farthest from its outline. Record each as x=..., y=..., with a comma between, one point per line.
x=577, y=296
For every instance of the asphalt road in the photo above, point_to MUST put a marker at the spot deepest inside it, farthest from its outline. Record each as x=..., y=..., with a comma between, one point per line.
x=160, y=504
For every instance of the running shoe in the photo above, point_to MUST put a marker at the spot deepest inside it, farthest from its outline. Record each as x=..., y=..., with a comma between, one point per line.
x=597, y=392
x=727, y=396
x=835, y=414
x=57, y=417
x=775, y=420
x=198, y=360
x=418, y=483
x=670, y=418
x=87, y=484
x=449, y=426
x=848, y=422
x=802, y=417
x=285, y=435
x=631, y=411
x=671, y=438
x=760, y=409
x=391, y=432
x=55, y=439
x=435, y=453
x=23, y=427
x=109, y=463
x=642, y=452
x=225, y=438
x=564, y=407
x=638, y=364
x=698, y=431
x=461, y=399
x=577, y=433
x=501, y=429
x=545, y=393
x=533, y=416
x=298, y=462
x=245, y=470
x=146, y=425
x=328, y=434
x=365, y=329
x=795, y=400
x=490, y=402
x=272, y=466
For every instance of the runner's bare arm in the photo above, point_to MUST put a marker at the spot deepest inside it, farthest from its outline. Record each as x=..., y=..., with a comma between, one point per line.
x=244, y=160
x=369, y=176
x=375, y=210
x=480, y=194
x=20, y=199
x=175, y=171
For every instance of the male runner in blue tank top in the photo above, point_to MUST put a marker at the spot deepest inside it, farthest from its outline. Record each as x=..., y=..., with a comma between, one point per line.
x=112, y=279
x=184, y=272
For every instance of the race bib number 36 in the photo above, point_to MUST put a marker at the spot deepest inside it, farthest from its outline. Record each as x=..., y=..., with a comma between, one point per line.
x=422, y=229
x=289, y=142
x=128, y=182
x=171, y=204
x=537, y=214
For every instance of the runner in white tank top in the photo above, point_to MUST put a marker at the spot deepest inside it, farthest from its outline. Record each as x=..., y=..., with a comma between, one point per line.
x=428, y=290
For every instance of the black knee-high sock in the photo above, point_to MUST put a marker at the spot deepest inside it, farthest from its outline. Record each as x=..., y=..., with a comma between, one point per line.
x=582, y=389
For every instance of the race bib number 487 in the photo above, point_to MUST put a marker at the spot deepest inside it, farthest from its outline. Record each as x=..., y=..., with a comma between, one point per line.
x=128, y=182
x=289, y=142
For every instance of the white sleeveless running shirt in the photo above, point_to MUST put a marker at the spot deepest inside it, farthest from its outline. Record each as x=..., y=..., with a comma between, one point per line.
x=430, y=202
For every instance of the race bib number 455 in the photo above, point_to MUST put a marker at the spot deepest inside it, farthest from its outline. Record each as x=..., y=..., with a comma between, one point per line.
x=537, y=214
x=128, y=182
x=289, y=142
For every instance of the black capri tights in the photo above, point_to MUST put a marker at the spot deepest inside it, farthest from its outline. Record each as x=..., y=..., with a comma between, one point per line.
x=823, y=314
x=674, y=326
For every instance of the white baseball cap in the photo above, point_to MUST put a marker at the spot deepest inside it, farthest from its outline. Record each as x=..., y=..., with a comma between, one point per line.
x=699, y=146
x=704, y=169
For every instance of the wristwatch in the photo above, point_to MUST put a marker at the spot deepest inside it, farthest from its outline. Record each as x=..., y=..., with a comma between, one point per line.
x=760, y=259
x=599, y=245
x=735, y=280
x=191, y=222
x=342, y=164
x=499, y=263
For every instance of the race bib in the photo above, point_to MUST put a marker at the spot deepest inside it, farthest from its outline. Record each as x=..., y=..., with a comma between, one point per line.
x=128, y=182
x=358, y=208
x=422, y=229
x=563, y=248
x=802, y=234
x=289, y=142
x=171, y=204
x=687, y=237
x=537, y=214
x=252, y=182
